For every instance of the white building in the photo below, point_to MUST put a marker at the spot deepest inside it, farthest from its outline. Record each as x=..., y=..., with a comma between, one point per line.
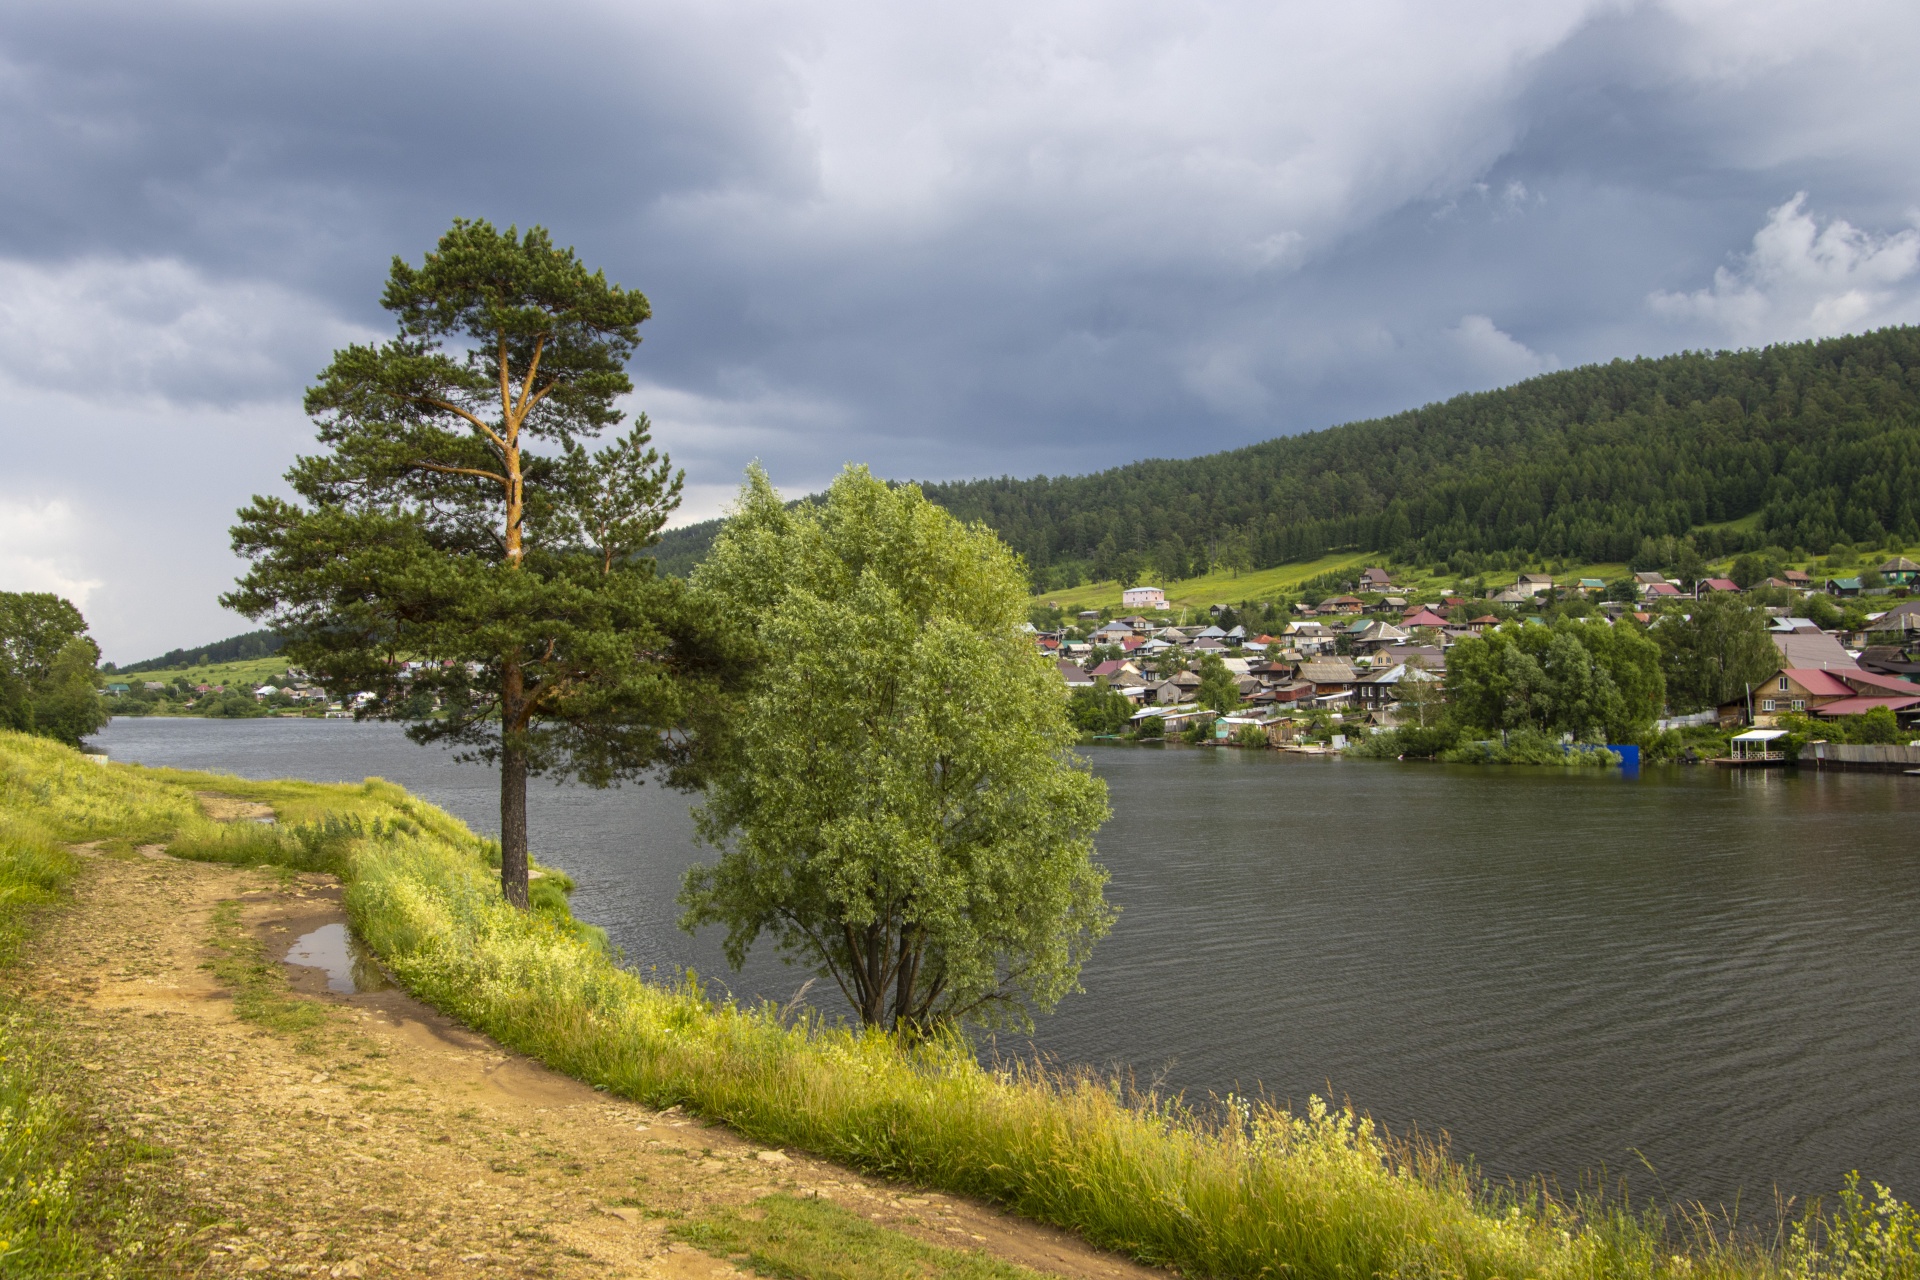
x=1143, y=598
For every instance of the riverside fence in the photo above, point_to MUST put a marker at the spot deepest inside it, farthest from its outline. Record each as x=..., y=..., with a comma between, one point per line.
x=1880, y=759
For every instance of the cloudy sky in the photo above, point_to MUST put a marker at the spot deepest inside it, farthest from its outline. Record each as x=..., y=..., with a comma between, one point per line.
x=945, y=239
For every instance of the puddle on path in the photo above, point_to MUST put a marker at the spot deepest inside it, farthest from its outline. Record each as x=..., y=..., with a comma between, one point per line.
x=350, y=968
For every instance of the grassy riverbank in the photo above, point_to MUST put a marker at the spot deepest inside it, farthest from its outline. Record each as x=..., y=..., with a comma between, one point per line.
x=1244, y=1189
x=66, y=1207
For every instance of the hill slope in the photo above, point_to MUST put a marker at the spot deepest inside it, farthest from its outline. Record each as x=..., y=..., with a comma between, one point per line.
x=1817, y=442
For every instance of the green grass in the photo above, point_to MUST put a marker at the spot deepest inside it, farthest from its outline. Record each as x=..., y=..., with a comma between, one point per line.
x=1215, y=588
x=247, y=674
x=1241, y=1188
x=812, y=1239
x=66, y=1208
x=258, y=983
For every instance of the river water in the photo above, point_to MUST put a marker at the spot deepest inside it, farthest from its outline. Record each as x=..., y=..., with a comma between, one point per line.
x=1703, y=979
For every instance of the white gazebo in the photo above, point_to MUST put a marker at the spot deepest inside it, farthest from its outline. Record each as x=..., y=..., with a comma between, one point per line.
x=1757, y=747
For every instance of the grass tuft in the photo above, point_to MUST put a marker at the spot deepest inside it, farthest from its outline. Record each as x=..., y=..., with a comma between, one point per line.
x=258, y=983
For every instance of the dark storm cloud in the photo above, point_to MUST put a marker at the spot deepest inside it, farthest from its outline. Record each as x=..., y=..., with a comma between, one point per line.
x=946, y=240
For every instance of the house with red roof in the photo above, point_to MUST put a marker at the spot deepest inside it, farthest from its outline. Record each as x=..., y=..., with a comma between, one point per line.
x=1423, y=617
x=1709, y=585
x=1826, y=692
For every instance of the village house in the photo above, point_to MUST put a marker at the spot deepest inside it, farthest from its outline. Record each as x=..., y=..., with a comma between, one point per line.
x=1533, y=585
x=1075, y=676
x=1797, y=580
x=1828, y=693
x=1375, y=580
x=1176, y=720
x=1144, y=598
x=1342, y=604
x=1846, y=588
x=1381, y=689
x=1899, y=572
x=1377, y=635
x=1896, y=624
x=1332, y=681
x=1707, y=586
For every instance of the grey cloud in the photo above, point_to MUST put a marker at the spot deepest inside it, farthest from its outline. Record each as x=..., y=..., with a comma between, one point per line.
x=947, y=240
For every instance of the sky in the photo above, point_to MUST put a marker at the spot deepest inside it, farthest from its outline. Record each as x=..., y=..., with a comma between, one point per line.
x=944, y=240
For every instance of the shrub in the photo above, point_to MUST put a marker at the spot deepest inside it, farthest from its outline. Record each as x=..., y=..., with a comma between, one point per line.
x=1530, y=746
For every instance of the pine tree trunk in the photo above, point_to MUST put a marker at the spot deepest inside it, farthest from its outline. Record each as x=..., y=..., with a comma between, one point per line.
x=513, y=792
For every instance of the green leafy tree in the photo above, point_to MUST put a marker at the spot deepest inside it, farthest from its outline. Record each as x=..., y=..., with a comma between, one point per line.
x=1219, y=688
x=1757, y=566
x=456, y=518
x=1236, y=553
x=1170, y=661
x=1100, y=709
x=1822, y=612
x=1585, y=678
x=1878, y=726
x=49, y=682
x=901, y=810
x=1715, y=653
x=1151, y=728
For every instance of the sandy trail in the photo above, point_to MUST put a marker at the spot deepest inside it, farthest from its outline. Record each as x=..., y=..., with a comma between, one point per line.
x=393, y=1141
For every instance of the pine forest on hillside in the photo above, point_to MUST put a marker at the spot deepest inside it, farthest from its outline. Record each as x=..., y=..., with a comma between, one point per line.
x=1817, y=442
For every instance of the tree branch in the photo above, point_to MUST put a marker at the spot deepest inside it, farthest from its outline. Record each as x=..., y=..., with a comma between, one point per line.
x=458, y=411
x=506, y=391
x=460, y=471
x=526, y=384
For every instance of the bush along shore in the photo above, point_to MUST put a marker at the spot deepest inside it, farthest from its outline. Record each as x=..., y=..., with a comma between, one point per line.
x=1238, y=1188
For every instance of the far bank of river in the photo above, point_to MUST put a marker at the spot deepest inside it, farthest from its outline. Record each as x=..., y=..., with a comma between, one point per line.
x=1712, y=970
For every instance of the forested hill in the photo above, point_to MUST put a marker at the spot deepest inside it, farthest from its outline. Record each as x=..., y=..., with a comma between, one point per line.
x=1821, y=439
x=254, y=644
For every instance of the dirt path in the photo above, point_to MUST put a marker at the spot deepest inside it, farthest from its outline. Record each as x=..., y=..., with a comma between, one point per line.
x=390, y=1141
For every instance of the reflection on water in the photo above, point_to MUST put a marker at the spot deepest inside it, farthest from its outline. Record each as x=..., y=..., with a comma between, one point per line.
x=1716, y=970
x=350, y=969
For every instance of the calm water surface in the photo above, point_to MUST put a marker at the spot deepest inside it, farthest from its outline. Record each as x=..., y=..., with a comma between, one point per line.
x=1715, y=974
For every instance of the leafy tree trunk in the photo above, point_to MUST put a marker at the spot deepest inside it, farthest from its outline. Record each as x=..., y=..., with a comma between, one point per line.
x=513, y=680
x=513, y=787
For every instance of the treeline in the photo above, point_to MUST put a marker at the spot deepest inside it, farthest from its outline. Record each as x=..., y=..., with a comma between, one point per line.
x=254, y=644
x=47, y=677
x=1821, y=439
